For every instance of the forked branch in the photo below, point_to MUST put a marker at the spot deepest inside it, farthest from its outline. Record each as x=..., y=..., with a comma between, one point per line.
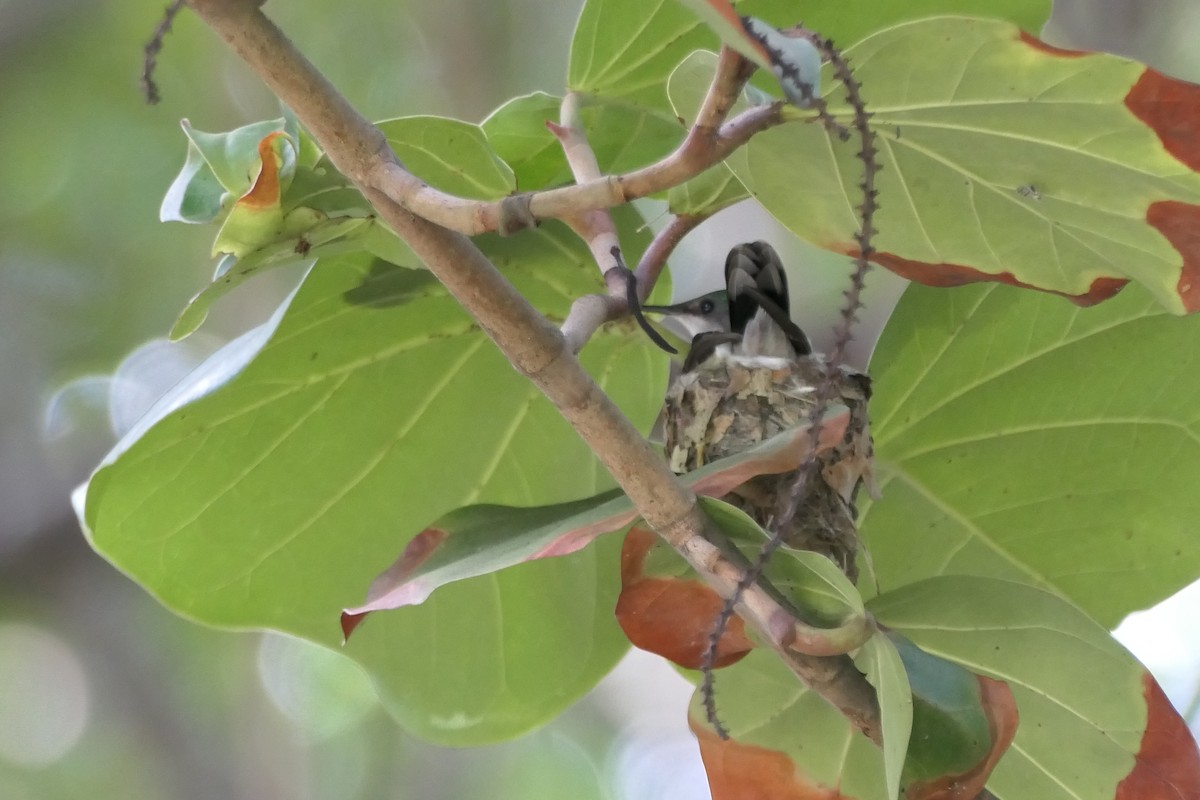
x=531, y=343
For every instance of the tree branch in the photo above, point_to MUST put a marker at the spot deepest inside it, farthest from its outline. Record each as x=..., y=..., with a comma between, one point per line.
x=596, y=228
x=530, y=342
x=665, y=241
x=709, y=141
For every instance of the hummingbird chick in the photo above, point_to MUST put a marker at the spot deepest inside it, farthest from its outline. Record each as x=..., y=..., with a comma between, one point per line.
x=749, y=320
x=751, y=374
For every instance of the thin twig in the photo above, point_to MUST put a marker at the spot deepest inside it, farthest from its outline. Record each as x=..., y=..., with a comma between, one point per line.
x=807, y=473
x=153, y=48
x=706, y=143
x=664, y=243
x=595, y=227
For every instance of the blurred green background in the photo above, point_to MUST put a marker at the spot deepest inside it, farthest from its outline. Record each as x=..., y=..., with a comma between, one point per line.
x=102, y=692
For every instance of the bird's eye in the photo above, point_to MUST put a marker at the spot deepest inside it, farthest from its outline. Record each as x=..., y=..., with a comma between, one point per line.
x=706, y=306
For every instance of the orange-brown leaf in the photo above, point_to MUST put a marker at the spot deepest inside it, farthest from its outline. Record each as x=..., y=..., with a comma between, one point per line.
x=747, y=772
x=265, y=191
x=671, y=616
x=1168, y=762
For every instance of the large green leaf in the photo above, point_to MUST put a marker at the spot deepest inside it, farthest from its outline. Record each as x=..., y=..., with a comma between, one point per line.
x=1090, y=717
x=1002, y=159
x=1021, y=437
x=709, y=192
x=1080, y=694
x=375, y=406
x=622, y=138
x=626, y=48
x=450, y=155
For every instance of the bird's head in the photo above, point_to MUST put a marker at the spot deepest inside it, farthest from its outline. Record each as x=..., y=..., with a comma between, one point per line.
x=704, y=314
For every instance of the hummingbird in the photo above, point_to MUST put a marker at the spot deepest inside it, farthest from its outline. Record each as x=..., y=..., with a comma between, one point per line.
x=749, y=320
x=751, y=374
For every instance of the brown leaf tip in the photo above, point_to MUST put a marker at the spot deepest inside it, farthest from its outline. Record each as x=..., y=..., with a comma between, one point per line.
x=945, y=274
x=349, y=623
x=422, y=546
x=1168, y=761
x=1049, y=49
x=1180, y=224
x=738, y=771
x=1171, y=108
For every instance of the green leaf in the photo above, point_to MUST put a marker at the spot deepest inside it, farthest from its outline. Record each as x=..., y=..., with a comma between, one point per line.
x=480, y=539
x=195, y=195
x=234, y=156
x=799, y=746
x=375, y=405
x=321, y=187
x=223, y=166
x=257, y=217
x=326, y=238
x=880, y=662
x=951, y=734
x=275, y=223
x=707, y=193
x=809, y=581
x=623, y=138
x=787, y=741
x=450, y=155
x=1020, y=437
x=518, y=133
x=1079, y=692
x=625, y=49
x=1079, y=153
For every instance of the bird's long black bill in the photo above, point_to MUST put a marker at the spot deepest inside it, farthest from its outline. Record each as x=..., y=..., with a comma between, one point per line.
x=635, y=308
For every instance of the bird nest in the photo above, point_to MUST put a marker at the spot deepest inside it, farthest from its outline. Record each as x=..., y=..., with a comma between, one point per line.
x=726, y=406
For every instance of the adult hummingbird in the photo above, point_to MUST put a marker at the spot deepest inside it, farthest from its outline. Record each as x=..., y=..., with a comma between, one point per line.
x=749, y=320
